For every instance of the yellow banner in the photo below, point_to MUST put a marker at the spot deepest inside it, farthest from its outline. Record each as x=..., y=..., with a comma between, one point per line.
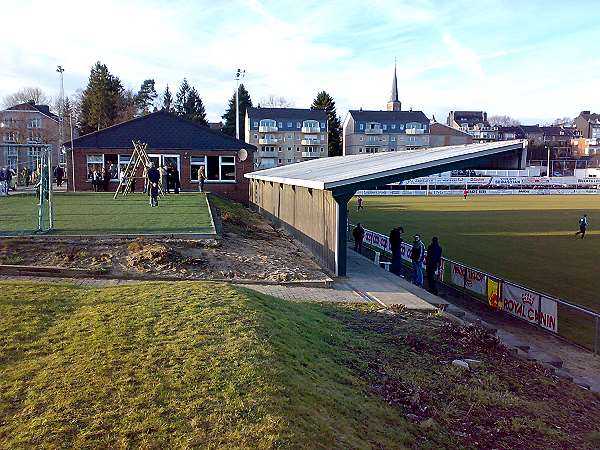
x=493, y=293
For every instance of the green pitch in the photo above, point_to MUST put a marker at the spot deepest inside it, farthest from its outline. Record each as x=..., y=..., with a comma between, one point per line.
x=526, y=239
x=98, y=213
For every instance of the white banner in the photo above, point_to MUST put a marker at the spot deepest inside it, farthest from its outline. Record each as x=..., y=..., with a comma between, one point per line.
x=500, y=181
x=459, y=192
x=470, y=279
x=525, y=304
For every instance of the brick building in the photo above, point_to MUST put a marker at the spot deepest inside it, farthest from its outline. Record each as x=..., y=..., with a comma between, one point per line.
x=172, y=141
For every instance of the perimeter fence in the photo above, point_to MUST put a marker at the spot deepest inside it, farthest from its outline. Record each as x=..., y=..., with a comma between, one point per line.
x=578, y=324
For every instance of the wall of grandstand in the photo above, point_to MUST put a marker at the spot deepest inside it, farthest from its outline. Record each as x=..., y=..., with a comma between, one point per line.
x=451, y=192
x=501, y=181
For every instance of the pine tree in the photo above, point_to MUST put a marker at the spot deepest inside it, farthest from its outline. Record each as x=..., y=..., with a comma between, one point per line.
x=145, y=97
x=167, y=100
x=194, y=108
x=325, y=101
x=100, y=99
x=182, y=96
x=245, y=102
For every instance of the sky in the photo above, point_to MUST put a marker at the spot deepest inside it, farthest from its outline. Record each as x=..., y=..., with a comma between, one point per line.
x=532, y=60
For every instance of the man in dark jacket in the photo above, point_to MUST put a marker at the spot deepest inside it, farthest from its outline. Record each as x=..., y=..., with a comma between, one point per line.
x=153, y=175
x=432, y=264
x=358, y=234
x=417, y=255
x=396, y=247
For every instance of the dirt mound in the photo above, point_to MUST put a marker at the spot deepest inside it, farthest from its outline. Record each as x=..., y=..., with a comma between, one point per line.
x=150, y=255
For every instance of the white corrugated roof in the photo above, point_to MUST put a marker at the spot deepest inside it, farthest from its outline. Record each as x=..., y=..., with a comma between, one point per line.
x=326, y=173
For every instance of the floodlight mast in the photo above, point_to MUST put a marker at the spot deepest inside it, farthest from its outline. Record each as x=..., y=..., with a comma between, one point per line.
x=239, y=74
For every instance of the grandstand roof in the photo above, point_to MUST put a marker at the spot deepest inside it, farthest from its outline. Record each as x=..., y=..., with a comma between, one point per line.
x=333, y=172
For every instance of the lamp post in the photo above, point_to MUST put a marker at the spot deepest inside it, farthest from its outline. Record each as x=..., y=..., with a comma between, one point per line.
x=238, y=75
x=548, y=147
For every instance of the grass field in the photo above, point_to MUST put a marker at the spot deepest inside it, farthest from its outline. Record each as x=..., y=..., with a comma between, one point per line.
x=199, y=365
x=98, y=213
x=526, y=239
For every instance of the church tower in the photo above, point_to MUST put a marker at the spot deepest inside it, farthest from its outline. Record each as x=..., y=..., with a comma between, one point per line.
x=394, y=104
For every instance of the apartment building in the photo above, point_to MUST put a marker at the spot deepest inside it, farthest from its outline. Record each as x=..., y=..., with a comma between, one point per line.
x=588, y=124
x=27, y=123
x=475, y=123
x=286, y=135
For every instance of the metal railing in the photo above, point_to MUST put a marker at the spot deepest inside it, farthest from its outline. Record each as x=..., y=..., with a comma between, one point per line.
x=545, y=310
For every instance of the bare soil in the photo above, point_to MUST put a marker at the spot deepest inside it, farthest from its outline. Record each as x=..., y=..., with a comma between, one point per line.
x=250, y=250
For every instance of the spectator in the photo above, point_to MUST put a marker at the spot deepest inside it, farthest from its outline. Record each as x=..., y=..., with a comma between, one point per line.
x=106, y=179
x=169, y=176
x=201, y=178
x=176, y=181
x=59, y=173
x=12, y=179
x=396, y=247
x=3, y=183
x=153, y=177
x=432, y=264
x=96, y=179
x=417, y=255
x=163, y=178
x=358, y=234
x=154, y=194
x=359, y=203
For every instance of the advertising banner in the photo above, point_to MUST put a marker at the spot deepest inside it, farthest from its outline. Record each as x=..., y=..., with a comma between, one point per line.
x=470, y=279
x=525, y=304
x=493, y=291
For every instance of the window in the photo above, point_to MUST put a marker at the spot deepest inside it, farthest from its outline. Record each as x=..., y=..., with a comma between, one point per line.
x=298, y=125
x=289, y=149
x=11, y=136
x=322, y=124
x=217, y=168
x=279, y=148
x=255, y=124
x=123, y=161
x=361, y=138
x=289, y=160
x=289, y=124
x=393, y=139
x=94, y=162
x=111, y=162
x=256, y=136
x=384, y=126
x=361, y=126
x=280, y=125
x=268, y=123
x=11, y=157
x=393, y=126
x=360, y=149
x=321, y=149
x=34, y=123
x=196, y=163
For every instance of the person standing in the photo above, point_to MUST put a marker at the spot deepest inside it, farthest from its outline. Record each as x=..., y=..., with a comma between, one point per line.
x=583, y=224
x=465, y=193
x=58, y=174
x=417, y=255
x=358, y=234
x=153, y=177
x=3, y=184
x=154, y=194
x=201, y=178
x=396, y=248
x=106, y=179
x=163, y=178
x=176, y=181
x=169, y=179
x=359, y=203
x=432, y=264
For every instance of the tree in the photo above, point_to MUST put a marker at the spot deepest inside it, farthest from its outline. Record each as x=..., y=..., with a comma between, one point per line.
x=325, y=102
x=181, y=98
x=127, y=107
x=101, y=100
x=25, y=95
x=273, y=101
x=503, y=121
x=193, y=108
x=245, y=102
x=167, y=100
x=145, y=97
x=563, y=122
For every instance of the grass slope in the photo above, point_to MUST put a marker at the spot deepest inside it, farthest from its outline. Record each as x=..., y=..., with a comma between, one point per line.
x=98, y=213
x=191, y=365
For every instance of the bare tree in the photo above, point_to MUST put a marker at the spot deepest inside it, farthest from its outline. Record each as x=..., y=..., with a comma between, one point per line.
x=274, y=101
x=25, y=95
x=563, y=121
x=503, y=121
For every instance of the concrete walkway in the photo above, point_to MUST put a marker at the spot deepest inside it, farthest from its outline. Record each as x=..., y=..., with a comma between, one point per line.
x=386, y=288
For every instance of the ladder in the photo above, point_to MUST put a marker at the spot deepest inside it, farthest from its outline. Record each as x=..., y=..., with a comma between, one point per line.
x=139, y=157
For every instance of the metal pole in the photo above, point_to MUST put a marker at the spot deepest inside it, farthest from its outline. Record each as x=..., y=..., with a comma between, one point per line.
x=61, y=115
x=548, y=147
x=597, y=337
x=50, y=209
x=237, y=105
x=72, y=155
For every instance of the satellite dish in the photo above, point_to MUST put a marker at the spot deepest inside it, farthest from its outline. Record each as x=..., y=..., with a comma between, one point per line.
x=243, y=154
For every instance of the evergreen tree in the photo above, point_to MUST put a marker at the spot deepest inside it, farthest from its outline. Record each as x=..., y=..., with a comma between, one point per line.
x=167, y=100
x=100, y=99
x=245, y=102
x=193, y=108
x=325, y=101
x=145, y=97
x=182, y=96
x=127, y=107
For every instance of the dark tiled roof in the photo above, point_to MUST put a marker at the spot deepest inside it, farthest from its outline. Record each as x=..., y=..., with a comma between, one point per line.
x=469, y=117
x=557, y=131
x=532, y=129
x=389, y=116
x=44, y=109
x=161, y=130
x=591, y=117
x=519, y=132
x=286, y=113
x=439, y=129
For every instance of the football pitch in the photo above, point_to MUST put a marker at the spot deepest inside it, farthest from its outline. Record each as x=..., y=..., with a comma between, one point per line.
x=526, y=239
x=100, y=214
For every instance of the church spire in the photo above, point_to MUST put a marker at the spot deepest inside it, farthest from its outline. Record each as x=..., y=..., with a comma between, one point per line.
x=394, y=104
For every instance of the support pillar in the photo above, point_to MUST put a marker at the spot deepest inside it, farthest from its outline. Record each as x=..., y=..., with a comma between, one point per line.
x=342, y=233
